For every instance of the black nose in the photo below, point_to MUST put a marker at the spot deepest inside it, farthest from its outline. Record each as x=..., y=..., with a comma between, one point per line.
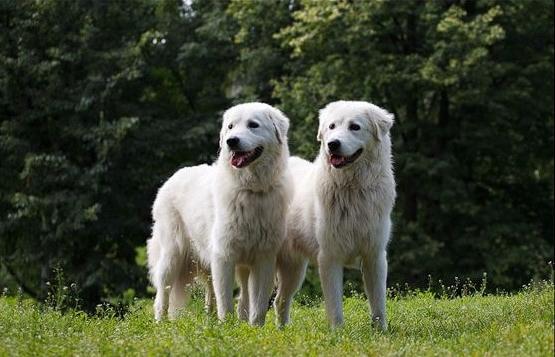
x=334, y=145
x=233, y=142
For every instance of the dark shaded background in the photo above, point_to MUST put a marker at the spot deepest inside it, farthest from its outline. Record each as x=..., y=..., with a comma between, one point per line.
x=101, y=101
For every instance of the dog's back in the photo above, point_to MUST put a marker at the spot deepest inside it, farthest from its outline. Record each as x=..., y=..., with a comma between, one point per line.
x=183, y=210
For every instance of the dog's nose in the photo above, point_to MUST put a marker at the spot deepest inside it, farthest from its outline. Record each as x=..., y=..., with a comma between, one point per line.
x=334, y=145
x=233, y=142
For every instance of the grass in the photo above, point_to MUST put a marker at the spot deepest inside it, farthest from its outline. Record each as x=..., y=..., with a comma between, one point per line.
x=519, y=324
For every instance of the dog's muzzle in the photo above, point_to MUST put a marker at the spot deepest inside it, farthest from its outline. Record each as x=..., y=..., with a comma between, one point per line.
x=339, y=161
x=240, y=159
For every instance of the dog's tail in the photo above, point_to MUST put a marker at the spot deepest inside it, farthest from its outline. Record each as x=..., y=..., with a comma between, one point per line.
x=153, y=255
x=165, y=243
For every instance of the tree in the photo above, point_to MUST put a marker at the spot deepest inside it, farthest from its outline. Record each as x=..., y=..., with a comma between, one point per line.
x=453, y=75
x=100, y=102
x=261, y=58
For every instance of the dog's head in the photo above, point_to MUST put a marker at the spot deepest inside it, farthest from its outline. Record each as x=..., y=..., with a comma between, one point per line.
x=252, y=131
x=349, y=128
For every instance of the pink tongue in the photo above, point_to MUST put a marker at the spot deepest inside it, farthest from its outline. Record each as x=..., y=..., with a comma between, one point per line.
x=239, y=159
x=337, y=160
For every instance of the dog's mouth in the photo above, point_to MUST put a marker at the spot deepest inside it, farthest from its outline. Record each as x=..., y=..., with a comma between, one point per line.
x=339, y=161
x=240, y=159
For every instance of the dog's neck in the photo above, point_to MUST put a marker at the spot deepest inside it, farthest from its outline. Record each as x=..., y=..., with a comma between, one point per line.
x=369, y=170
x=262, y=176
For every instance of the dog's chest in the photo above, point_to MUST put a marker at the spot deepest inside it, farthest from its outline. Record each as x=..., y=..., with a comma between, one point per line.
x=255, y=220
x=348, y=217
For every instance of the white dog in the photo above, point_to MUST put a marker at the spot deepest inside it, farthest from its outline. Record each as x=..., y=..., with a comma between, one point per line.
x=340, y=213
x=230, y=215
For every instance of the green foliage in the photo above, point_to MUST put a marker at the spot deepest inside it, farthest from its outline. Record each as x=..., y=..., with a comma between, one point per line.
x=101, y=101
x=68, y=90
x=520, y=324
x=261, y=58
x=474, y=122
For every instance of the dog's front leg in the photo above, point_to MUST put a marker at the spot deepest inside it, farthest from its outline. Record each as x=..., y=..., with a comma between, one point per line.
x=261, y=281
x=222, y=279
x=242, y=276
x=374, y=273
x=331, y=277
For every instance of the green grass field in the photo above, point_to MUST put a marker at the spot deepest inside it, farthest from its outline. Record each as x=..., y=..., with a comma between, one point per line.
x=519, y=324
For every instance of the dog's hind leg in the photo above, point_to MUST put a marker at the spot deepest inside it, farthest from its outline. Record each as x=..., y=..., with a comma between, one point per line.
x=165, y=259
x=181, y=289
x=261, y=281
x=374, y=273
x=164, y=274
x=290, y=275
x=209, y=297
x=242, y=276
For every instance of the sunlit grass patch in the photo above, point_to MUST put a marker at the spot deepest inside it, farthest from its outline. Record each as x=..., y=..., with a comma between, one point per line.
x=420, y=324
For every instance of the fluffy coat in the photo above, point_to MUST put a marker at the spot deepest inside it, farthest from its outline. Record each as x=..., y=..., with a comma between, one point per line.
x=340, y=213
x=214, y=220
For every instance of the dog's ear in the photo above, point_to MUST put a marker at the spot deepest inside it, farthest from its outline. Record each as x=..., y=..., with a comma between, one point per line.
x=223, y=127
x=280, y=123
x=221, y=137
x=381, y=120
x=320, y=134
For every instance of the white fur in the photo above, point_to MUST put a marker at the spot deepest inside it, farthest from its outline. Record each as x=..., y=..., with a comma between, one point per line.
x=212, y=220
x=341, y=216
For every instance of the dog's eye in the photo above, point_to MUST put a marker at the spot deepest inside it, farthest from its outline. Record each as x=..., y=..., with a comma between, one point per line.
x=332, y=126
x=253, y=125
x=230, y=126
x=354, y=127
